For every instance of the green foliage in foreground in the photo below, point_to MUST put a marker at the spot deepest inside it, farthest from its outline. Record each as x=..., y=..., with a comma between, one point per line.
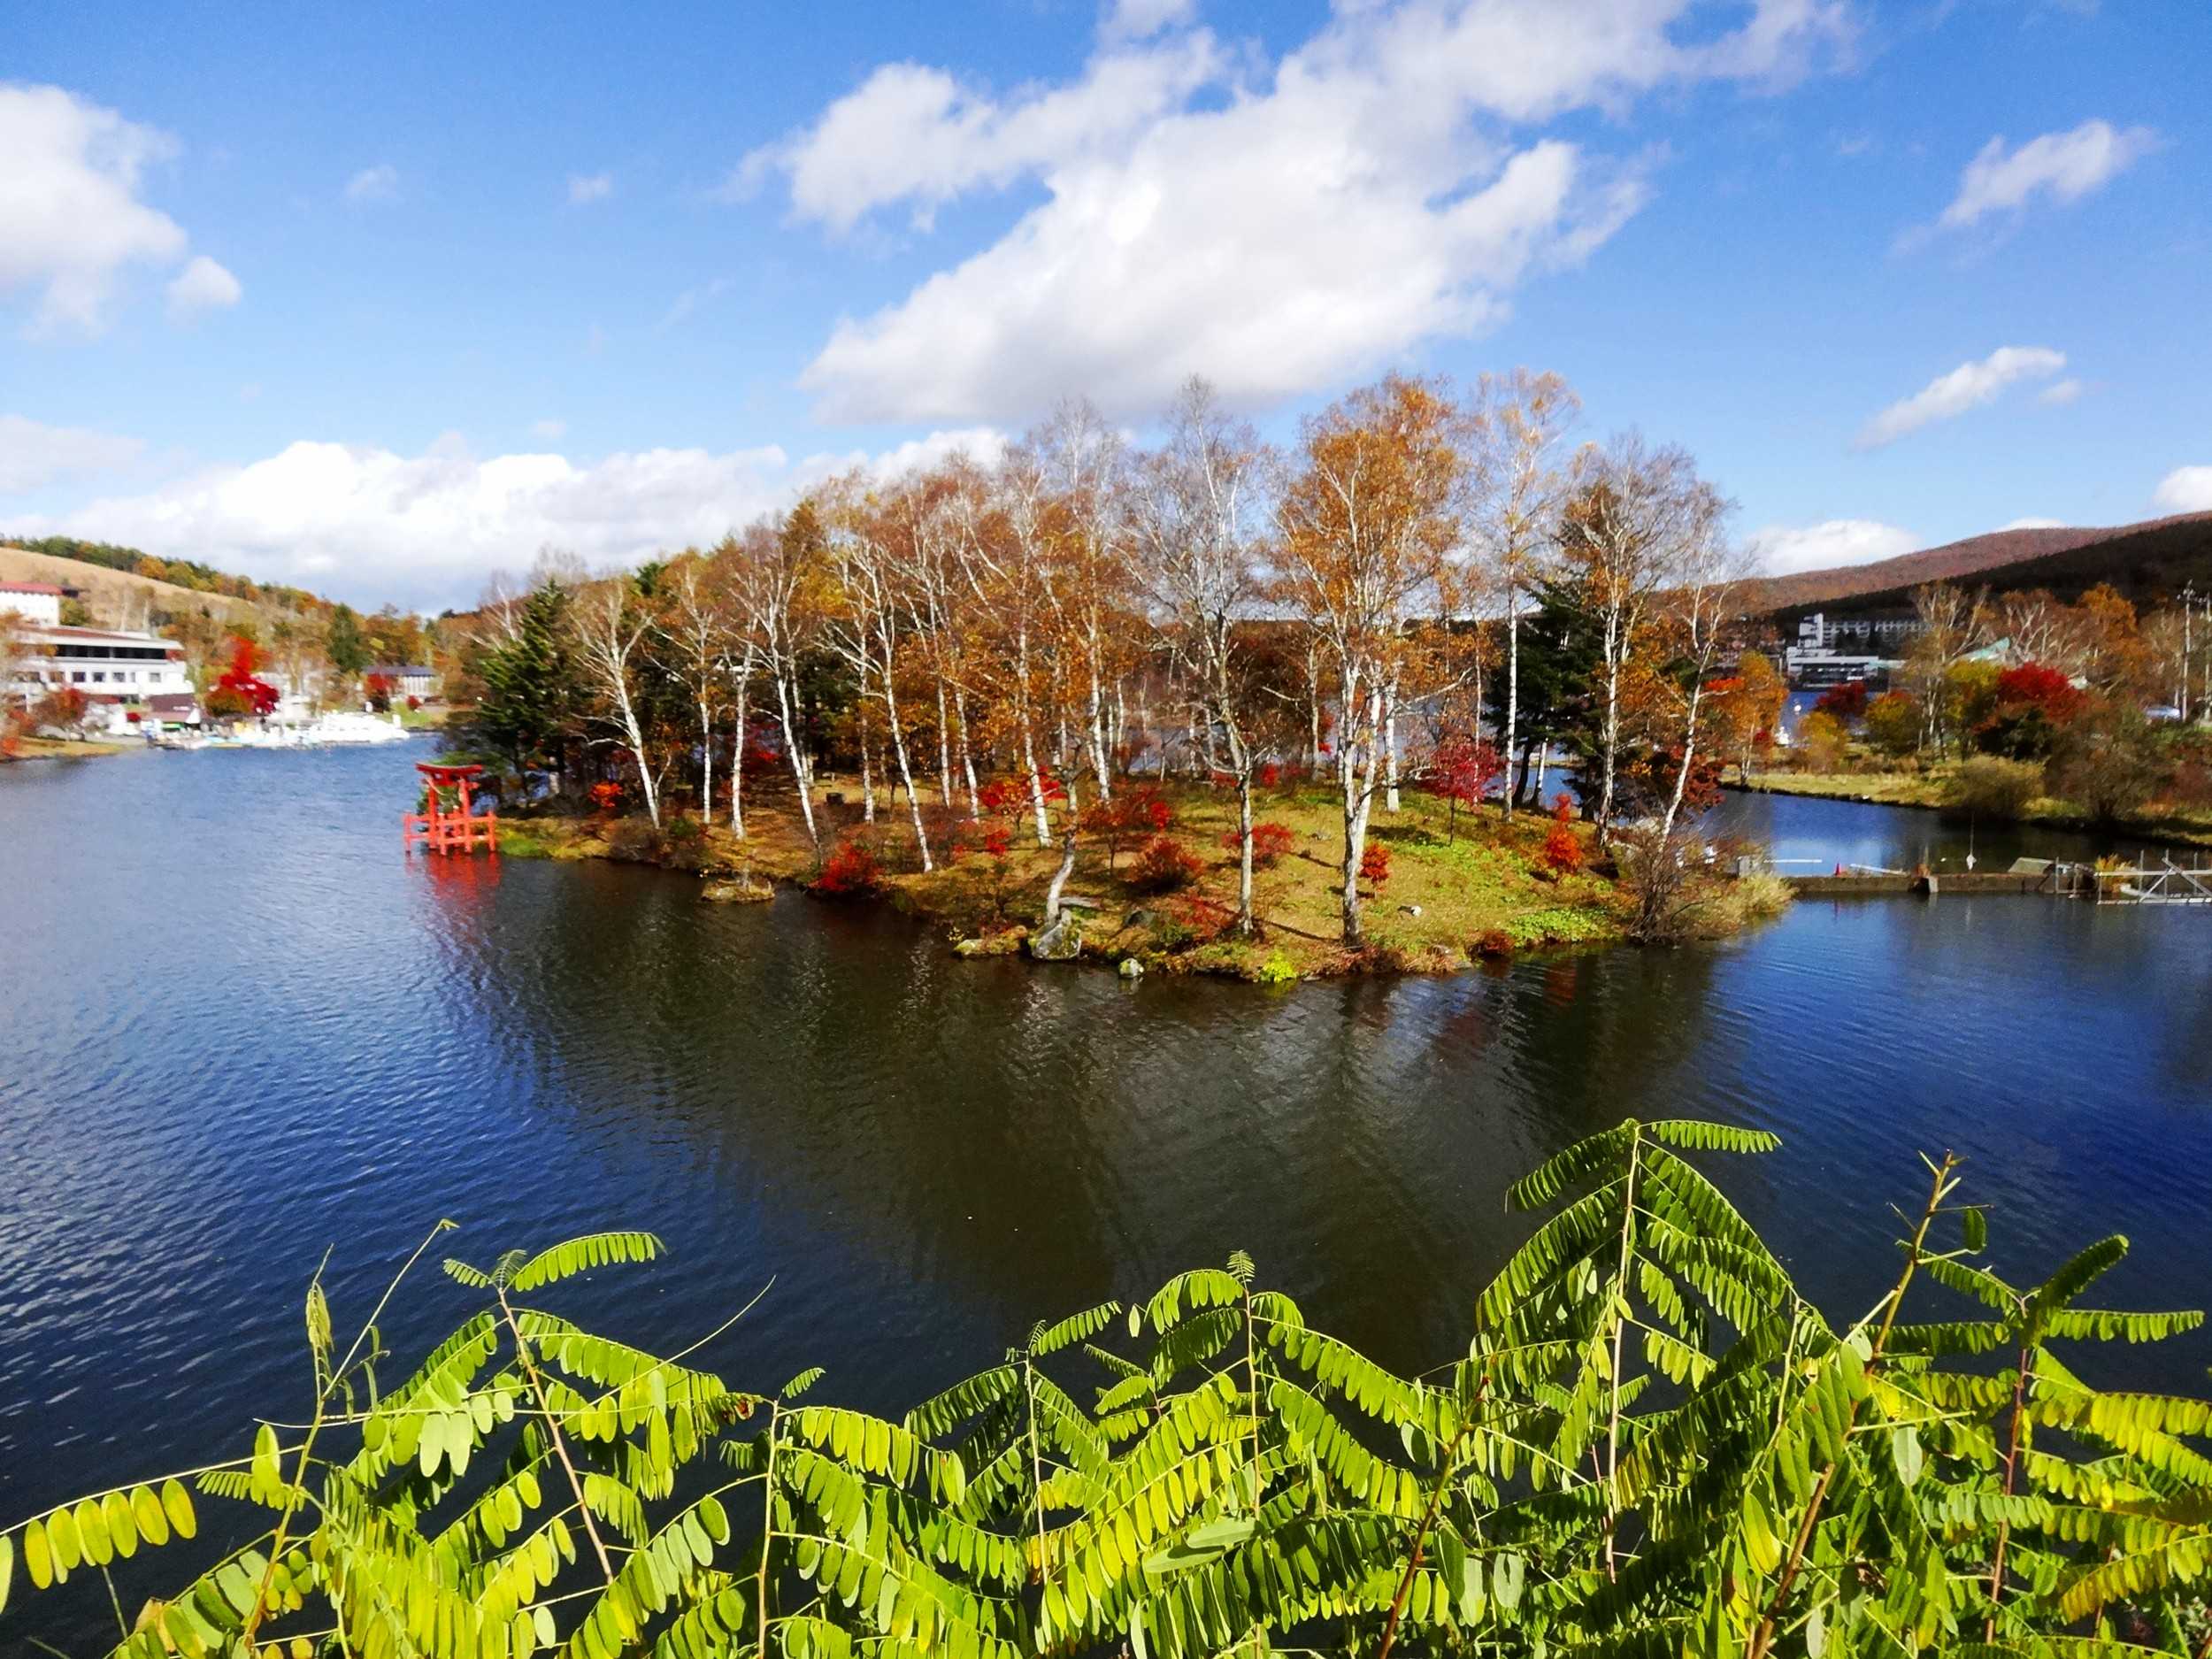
x=1651, y=1446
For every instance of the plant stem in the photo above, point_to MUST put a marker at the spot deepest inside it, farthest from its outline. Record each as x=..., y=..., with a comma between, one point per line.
x=553, y=1428
x=2004, y=1520
x=1763, y=1639
x=767, y=1536
x=1420, y=1543
x=1620, y=1326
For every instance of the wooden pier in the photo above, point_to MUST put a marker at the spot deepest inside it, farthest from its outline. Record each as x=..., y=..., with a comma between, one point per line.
x=2099, y=884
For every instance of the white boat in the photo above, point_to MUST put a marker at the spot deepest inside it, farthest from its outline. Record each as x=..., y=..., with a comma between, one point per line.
x=347, y=726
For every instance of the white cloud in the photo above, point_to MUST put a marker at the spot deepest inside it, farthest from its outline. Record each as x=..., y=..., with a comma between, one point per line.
x=1273, y=226
x=1140, y=19
x=2059, y=393
x=2034, y=524
x=912, y=134
x=1967, y=386
x=587, y=188
x=2064, y=165
x=551, y=430
x=2186, y=489
x=379, y=183
x=1785, y=549
x=364, y=523
x=33, y=454
x=71, y=219
x=203, y=285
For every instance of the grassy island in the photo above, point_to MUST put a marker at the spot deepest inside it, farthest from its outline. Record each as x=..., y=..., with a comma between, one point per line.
x=1456, y=887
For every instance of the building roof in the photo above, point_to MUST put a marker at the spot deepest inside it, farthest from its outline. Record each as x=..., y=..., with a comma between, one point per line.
x=396, y=668
x=33, y=588
x=64, y=635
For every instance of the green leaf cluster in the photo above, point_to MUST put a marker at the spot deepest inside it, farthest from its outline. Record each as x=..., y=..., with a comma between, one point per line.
x=1652, y=1444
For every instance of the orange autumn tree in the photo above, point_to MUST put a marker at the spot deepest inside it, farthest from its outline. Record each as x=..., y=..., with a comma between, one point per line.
x=1366, y=524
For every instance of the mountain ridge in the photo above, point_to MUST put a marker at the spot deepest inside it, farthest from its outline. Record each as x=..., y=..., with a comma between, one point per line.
x=2150, y=559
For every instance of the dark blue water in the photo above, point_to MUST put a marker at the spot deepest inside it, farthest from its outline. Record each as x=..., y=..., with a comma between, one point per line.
x=240, y=1028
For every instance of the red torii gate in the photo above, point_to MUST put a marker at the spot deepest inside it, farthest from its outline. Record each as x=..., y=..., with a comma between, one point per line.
x=458, y=831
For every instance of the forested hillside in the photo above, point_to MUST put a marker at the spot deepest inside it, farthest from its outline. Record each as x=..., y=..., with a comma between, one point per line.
x=2148, y=562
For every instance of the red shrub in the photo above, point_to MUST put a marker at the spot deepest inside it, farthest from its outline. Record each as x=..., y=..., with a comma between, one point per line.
x=1131, y=813
x=992, y=837
x=1205, y=917
x=1563, y=853
x=1847, y=702
x=1164, y=865
x=849, y=872
x=1270, y=775
x=1374, y=864
x=1270, y=844
x=606, y=795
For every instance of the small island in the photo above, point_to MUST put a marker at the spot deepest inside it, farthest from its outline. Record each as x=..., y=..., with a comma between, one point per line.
x=1429, y=686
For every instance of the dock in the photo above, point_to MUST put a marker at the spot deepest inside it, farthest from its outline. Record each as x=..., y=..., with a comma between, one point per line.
x=2168, y=883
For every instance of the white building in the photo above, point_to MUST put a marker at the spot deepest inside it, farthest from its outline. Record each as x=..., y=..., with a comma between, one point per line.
x=108, y=665
x=1828, y=653
x=38, y=604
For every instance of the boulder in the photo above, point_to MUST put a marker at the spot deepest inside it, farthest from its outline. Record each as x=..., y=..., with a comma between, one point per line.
x=1003, y=944
x=1130, y=968
x=735, y=891
x=1060, y=940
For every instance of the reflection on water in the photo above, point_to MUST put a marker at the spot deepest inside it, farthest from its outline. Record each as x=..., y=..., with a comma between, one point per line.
x=232, y=1042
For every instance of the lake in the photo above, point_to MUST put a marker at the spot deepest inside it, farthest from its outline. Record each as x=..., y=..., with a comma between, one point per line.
x=241, y=1028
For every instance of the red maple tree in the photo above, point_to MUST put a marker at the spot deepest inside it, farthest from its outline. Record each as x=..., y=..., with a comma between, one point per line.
x=240, y=690
x=1461, y=771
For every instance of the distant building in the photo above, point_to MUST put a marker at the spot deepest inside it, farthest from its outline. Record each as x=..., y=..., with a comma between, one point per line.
x=38, y=604
x=407, y=680
x=1831, y=652
x=107, y=665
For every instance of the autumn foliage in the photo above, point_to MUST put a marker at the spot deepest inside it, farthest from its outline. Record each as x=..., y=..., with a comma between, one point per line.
x=849, y=872
x=1562, y=853
x=1165, y=866
x=1374, y=864
x=1131, y=813
x=1270, y=844
x=1461, y=772
x=240, y=692
x=1847, y=702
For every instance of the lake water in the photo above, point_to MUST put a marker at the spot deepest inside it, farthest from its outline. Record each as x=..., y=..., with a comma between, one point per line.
x=240, y=1028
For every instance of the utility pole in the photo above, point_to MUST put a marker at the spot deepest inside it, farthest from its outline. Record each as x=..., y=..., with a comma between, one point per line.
x=2188, y=609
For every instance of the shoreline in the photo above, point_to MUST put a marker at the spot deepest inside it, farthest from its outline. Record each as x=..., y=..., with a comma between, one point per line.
x=1922, y=793
x=30, y=748
x=1461, y=895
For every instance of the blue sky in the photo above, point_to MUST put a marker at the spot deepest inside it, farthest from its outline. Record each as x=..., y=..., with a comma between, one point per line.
x=380, y=303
